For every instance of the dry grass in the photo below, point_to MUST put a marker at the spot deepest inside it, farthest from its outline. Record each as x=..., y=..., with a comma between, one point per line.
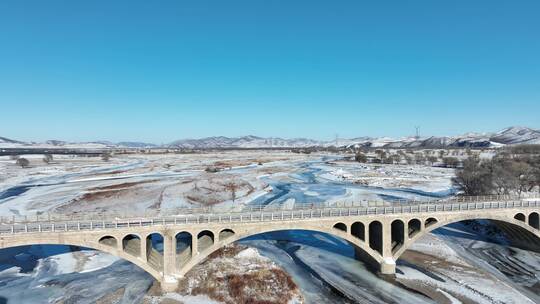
x=120, y=186
x=224, y=277
x=211, y=190
x=114, y=297
x=99, y=194
x=263, y=286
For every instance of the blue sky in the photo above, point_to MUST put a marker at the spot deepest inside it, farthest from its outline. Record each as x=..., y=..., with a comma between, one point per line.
x=162, y=70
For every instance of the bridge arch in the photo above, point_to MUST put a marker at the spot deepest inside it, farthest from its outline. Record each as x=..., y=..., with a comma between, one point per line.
x=414, y=227
x=368, y=255
x=154, y=243
x=108, y=240
x=520, y=217
x=183, y=247
x=131, y=243
x=534, y=220
x=430, y=222
x=358, y=229
x=514, y=221
x=340, y=226
x=94, y=245
x=205, y=239
x=376, y=236
x=225, y=233
x=397, y=233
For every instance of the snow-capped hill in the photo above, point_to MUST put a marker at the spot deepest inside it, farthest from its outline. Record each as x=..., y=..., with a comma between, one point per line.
x=135, y=144
x=60, y=144
x=508, y=136
x=514, y=135
x=209, y=142
x=55, y=142
x=249, y=141
x=10, y=143
x=517, y=135
x=4, y=140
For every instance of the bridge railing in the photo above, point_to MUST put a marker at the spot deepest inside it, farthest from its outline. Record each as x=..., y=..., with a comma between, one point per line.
x=47, y=216
x=247, y=217
x=262, y=214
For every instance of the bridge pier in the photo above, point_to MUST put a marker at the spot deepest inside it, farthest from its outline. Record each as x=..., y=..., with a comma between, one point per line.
x=169, y=255
x=144, y=250
x=194, y=245
x=387, y=239
x=169, y=284
x=388, y=266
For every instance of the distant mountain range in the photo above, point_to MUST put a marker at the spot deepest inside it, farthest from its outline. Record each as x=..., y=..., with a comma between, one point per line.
x=249, y=141
x=508, y=136
x=59, y=144
x=4, y=140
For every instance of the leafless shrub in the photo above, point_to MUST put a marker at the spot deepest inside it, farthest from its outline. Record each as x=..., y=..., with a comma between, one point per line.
x=504, y=174
x=361, y=157
x=105, y=157
x=23, y=162
x=450, y=162
x=47, y=158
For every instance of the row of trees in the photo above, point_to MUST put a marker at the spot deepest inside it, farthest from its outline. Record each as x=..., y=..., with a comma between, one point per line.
x=47, y=158
x=24, y=163
x=401, y=157
x=505, y=173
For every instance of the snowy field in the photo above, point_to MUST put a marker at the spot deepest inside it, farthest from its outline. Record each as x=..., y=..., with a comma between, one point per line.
x=452, y=265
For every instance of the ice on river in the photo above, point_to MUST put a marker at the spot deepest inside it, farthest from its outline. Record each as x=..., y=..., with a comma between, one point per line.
x=454, y=268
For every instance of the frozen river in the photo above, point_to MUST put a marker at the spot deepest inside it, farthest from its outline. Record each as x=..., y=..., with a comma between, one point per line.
x=322, y=266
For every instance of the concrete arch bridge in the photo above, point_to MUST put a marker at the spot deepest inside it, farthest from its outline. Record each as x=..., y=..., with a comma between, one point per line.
x=167, y=247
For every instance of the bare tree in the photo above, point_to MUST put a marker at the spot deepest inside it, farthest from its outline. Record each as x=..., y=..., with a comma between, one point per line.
x=432, y=159
x=420, y=158
x=409, y=160
x=212, y=169
x=536, y=180
x=441, y=154
x=388, y=160
x=380, y=153
x=506, y=173
x=450, y=162
x=361, y=157
x=105, y=157
x=23, y=162
x=232, y=187
x=474, y=178
x=47, y=158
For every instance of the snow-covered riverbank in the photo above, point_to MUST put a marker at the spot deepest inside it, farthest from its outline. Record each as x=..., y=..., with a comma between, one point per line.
x=446, y=267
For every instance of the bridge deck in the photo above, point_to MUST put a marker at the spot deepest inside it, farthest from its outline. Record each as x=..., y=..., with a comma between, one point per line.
x=59, y=223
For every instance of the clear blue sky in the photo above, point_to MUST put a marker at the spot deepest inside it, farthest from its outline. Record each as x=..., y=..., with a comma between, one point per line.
x=162, y=70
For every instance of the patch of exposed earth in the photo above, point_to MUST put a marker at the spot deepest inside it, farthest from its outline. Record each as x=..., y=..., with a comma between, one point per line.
x=235, y=274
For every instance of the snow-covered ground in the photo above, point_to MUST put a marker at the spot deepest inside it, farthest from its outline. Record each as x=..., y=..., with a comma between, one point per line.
x=428, y=179
x=443, y=267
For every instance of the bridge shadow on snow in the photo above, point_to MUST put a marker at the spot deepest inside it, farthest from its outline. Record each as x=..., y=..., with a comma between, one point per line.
x=316, y=239
x=27, y=257
x=491, y=231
